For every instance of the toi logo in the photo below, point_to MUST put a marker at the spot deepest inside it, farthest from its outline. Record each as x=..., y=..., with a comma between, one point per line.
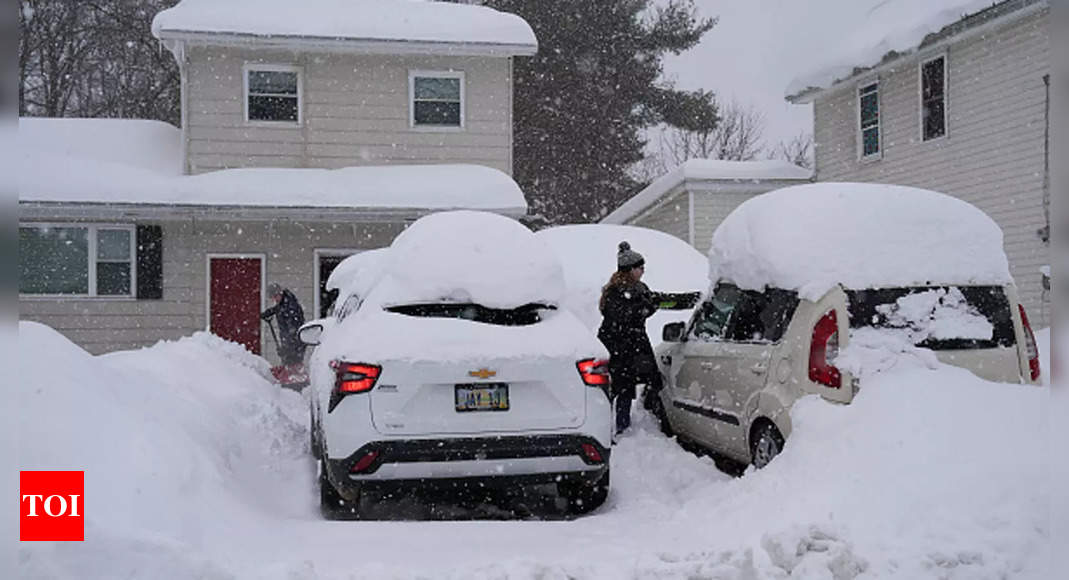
x=51, y=506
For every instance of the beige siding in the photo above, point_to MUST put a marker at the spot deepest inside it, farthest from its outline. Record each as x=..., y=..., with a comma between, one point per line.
x=992, y=155
x=710, y=208
x=671, y=217
x=103, y=325
x=355, y=112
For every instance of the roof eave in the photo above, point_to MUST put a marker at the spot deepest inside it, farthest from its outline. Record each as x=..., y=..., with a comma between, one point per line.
x=810, y=94
x=67, y=210
x=352, y=45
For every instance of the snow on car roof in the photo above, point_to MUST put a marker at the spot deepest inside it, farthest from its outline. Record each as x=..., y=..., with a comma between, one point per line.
x=588, y=254
x=812, y=237
x=357, y=273
x=470, y=257
x=367, y=20
x=891, y=26
x=139, y=162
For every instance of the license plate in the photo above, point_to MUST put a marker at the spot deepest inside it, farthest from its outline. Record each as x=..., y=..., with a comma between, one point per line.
x=485, y=397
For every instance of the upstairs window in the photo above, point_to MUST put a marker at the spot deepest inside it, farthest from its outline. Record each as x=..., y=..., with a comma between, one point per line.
x=272, y=94
x=868, y=100
x=933, y=98
x=73, y=260
x=437, y=99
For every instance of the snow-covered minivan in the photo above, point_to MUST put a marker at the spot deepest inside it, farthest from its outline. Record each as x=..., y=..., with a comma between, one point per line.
x=451, y=362
x=797, y=272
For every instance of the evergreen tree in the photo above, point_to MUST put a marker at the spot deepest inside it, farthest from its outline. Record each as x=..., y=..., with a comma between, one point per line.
x=581, y=103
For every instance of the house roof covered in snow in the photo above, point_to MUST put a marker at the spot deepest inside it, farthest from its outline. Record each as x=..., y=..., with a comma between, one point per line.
x=102, y=167
x=383, y=26
x=896, y=29
x=710, y=174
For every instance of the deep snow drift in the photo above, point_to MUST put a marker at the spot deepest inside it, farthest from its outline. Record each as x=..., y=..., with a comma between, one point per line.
x=196, y=466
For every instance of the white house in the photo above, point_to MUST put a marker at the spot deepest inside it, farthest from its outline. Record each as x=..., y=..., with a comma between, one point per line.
x=310, y=130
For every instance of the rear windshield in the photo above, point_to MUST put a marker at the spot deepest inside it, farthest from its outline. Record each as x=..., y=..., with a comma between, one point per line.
x=521, y=316
x=938, y=318
x=737, y=315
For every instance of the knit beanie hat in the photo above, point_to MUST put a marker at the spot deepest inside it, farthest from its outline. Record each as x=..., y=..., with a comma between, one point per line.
x=274, y=289
x=627, y=258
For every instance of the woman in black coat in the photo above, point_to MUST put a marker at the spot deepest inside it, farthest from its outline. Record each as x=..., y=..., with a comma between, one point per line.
x=626, y=303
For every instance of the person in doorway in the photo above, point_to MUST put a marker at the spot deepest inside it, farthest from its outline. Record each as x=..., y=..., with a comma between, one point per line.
x=626, y=303
x=290, y=317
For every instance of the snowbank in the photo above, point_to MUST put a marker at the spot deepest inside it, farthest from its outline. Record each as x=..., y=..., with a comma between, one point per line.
x=397, y=20
x=898, y=25
x=196, y=467
x=811, y=237
x=588, y=254
x=174, y=440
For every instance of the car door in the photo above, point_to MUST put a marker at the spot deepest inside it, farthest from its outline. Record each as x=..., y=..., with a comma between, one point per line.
x=740, y=372
x=701, y=358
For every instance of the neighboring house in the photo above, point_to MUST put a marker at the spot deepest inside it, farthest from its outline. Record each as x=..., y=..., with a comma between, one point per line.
x=960, y=105
x=311, y=130
x=691, y=200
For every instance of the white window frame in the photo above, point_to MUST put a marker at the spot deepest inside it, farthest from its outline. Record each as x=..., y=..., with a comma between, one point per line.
x=443, y=74
x=946, y=97
x=318, y=253
x=92, y=263
x=879, y=121
x=256, y=66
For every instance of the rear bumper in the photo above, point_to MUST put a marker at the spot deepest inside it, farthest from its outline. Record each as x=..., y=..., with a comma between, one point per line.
x=504, y=460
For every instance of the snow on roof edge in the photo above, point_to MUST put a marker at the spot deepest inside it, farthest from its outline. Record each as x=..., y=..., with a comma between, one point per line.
x=804, y=87
x=705, y=170
x=349, y=21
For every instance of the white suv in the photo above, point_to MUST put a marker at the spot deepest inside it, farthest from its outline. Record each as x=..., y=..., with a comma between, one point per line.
x=459, y=367
x=926, y=268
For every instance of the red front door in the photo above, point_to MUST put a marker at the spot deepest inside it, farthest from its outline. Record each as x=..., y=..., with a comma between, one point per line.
x=234, y=303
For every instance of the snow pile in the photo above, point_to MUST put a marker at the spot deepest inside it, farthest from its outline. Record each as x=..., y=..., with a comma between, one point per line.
x=358, y=273
x=812, y=237
x=588, y=254
x=459, y=257
x=153, y=146
x=894, y=25
x=174, y=441
x=938, y=314
x=196, y=467
x=467, y=256
x=397, y=20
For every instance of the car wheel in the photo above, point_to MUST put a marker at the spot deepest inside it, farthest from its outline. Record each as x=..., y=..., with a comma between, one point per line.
x=331, y=504
x=765, y=445
x=584, y=498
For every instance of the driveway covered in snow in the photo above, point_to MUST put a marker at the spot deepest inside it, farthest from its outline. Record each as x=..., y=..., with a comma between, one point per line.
x=196, y=466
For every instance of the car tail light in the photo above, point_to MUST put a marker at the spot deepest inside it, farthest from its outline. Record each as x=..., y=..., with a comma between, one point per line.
x=592, y=453
x=595, y=372
x=824, y=348
x=365, y=462
x=350, y=378
x=1030, y=346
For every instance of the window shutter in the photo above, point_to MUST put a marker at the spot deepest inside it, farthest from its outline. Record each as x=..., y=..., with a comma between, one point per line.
x=149, y=262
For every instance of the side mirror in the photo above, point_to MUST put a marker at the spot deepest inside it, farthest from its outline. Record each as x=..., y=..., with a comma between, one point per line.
x=310, y=334
x=673, y=332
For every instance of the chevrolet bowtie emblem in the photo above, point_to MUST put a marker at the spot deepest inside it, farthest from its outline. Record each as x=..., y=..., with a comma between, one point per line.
x=482, y=373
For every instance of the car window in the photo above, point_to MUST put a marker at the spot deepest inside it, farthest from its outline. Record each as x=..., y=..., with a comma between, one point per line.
x=711, y=319
x=520, y=316
x=762, y=316
x=938, y=318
